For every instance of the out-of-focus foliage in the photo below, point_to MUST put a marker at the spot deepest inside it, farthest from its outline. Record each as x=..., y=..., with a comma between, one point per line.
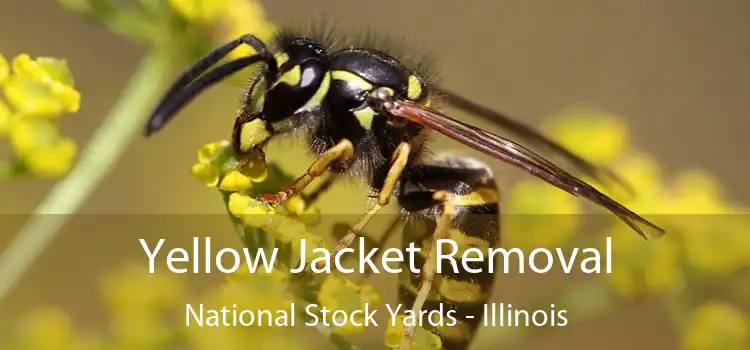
x=35, y=94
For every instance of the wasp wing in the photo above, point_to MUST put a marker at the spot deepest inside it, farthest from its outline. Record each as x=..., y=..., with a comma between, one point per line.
x=517, y=155
x=531, y=135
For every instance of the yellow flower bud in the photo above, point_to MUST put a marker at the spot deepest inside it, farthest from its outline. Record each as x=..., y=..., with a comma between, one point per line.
x=235, y=181
x=53, y=161
x=27, y=135
x=238, y=204
x=310, y=217
x=294, y=205
x=41, y=99
x=258, y=215
x=287, y=229
x=206, y=173
x=207, y=151
x=42, y=87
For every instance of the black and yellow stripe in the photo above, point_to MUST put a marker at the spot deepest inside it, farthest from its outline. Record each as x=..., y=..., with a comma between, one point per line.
x=475, y=224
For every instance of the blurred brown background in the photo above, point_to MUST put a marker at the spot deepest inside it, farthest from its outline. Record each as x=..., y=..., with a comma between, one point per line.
x=677, y=70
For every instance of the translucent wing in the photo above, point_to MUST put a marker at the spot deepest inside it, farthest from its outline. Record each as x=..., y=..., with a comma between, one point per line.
x=518, y=155
x=534, y=137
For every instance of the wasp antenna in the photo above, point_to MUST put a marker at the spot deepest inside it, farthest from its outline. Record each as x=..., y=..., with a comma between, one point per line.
x=169, y=108
x=190, y=82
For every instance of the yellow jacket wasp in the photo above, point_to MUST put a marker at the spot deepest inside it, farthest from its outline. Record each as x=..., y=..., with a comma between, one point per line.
x=365, y=114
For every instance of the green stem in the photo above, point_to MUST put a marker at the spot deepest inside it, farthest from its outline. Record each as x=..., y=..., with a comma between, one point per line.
x=103, y=151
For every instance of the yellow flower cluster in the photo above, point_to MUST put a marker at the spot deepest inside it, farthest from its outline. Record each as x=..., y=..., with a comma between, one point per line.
x=215, y=162
x=259, y=291
x=36, y=93
x=216, y=167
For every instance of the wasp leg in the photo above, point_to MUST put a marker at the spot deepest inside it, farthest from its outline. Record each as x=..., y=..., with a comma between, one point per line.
x=342, y=152
x=457, y=199
x=429, y=270
x=398, y=163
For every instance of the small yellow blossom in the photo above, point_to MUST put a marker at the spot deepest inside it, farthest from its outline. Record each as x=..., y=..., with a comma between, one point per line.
x=235, y=181
x=252, y=212
x=238, y=204
x=208, y=169
x=286, y=229
x=26, y=136
x=205, y=173
x=540, y=215
x=52, y=161
x=42, y=87
x=717, y=325
x=41, y=148
x=338, y=293
x=295, y=205
x=207, y=152
x=422, y=339
x=596, y=136
x=215, y=162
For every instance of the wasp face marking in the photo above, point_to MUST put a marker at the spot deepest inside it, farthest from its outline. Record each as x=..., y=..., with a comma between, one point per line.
x=302, y=83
